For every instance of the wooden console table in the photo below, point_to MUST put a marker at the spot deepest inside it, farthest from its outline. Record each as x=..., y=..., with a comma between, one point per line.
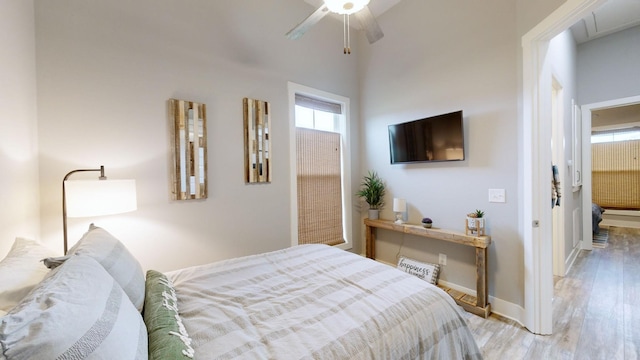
x=479, y=304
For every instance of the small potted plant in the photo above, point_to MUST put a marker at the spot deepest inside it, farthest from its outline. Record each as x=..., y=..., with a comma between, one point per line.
x=427, y=222
x=372, y=190
x=475, y=220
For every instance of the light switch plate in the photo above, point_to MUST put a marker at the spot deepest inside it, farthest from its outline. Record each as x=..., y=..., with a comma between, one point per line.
x=497, y=196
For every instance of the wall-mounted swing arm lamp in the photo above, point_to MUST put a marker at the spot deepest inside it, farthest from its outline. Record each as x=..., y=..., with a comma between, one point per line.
x=85, y=198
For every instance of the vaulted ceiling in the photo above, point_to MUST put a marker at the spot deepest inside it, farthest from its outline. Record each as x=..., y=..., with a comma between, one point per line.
x=613, y=16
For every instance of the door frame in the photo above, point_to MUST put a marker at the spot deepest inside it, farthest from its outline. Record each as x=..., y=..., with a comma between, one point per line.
x=587, y=199
x=536, y=154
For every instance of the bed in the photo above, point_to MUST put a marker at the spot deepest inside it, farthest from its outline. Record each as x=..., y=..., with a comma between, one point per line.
x=304, y=302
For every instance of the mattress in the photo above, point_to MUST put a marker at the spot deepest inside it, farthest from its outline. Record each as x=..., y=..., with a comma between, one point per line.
x=317, y=302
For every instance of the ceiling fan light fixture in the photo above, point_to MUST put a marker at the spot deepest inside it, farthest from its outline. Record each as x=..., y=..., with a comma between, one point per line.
x=345, y=7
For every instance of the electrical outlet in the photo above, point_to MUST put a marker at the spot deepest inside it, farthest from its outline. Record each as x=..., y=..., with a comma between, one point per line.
x=442, y=259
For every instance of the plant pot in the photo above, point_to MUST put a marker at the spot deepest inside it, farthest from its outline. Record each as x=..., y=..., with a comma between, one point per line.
x=427, y=225
x=474, y=224
x=374, y=214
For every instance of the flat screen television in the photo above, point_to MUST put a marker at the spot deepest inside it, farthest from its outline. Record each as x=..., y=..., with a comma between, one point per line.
x=436, y=138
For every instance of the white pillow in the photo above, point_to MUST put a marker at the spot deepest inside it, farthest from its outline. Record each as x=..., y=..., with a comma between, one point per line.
x=77, y=312
x=425, y=271
x=116, y=259
x=21, y=270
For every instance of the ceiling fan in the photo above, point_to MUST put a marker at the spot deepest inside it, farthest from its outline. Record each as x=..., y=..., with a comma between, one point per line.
x=357, y=8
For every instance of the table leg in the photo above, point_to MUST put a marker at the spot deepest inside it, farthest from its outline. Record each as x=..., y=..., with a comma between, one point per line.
x=481, y=277
x=370, y=242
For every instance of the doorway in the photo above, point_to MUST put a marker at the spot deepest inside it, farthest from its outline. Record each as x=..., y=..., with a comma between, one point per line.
x=536, y=136
x=586, y=155
x=537, y=218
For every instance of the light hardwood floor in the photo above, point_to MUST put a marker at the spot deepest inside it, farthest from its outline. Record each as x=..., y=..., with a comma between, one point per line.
x=596, y=310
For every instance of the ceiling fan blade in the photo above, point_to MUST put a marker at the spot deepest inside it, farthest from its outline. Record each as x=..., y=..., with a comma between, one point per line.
x=307, y=23
x=369, y=24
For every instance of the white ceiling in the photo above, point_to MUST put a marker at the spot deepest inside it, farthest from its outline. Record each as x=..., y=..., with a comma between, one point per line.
x=621, y=116
x=612, y=16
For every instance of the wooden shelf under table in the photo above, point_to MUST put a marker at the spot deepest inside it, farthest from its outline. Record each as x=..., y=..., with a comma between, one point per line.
x=479, y=304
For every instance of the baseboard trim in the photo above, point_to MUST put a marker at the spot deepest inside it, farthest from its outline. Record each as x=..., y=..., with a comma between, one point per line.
x=572, y=258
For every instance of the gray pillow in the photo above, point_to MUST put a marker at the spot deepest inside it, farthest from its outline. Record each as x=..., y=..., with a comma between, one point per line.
x=78, y=311
x=114, y=257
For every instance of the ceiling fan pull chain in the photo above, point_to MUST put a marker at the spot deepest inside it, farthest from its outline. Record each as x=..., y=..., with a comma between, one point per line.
x=344, y=32
x=348, y=35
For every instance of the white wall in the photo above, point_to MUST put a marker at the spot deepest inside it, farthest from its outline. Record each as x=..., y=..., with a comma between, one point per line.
x=18, y=125
x=530, y=13
x=106, y=70
x=608, y=67
x=435, y=58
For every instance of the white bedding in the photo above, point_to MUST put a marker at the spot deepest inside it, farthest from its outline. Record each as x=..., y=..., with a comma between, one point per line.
x=317, y=302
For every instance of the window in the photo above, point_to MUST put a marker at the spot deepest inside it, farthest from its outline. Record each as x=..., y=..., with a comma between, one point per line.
x=615, y=135
x=320, y=171
x=616, y=169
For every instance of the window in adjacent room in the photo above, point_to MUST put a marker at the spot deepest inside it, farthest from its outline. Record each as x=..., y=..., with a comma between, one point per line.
x=321, y=173
x=615, y=135
x=615, y=166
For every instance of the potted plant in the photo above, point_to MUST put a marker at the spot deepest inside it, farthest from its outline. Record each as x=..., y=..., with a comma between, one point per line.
x=372, y=190
x=475, y=220
x=427, y=222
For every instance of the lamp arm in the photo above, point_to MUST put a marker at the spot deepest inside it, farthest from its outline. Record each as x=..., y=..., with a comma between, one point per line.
x=102, y=177
x=64, y=199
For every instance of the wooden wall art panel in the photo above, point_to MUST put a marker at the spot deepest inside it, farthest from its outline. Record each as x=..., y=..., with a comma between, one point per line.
x=257, y=121
x=189, y=147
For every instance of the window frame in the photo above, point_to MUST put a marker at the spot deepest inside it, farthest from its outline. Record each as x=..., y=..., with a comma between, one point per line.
x=345, y=156
x=602, y=131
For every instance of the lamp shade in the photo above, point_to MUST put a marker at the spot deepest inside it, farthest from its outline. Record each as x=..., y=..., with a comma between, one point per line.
x=87, y=198
x=399, y=205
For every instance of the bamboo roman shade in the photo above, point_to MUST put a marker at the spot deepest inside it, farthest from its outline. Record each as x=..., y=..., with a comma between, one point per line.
x=616, y=174
x=319, y=187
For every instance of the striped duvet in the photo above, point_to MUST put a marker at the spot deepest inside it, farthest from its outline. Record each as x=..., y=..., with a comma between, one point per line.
x=317, y=302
